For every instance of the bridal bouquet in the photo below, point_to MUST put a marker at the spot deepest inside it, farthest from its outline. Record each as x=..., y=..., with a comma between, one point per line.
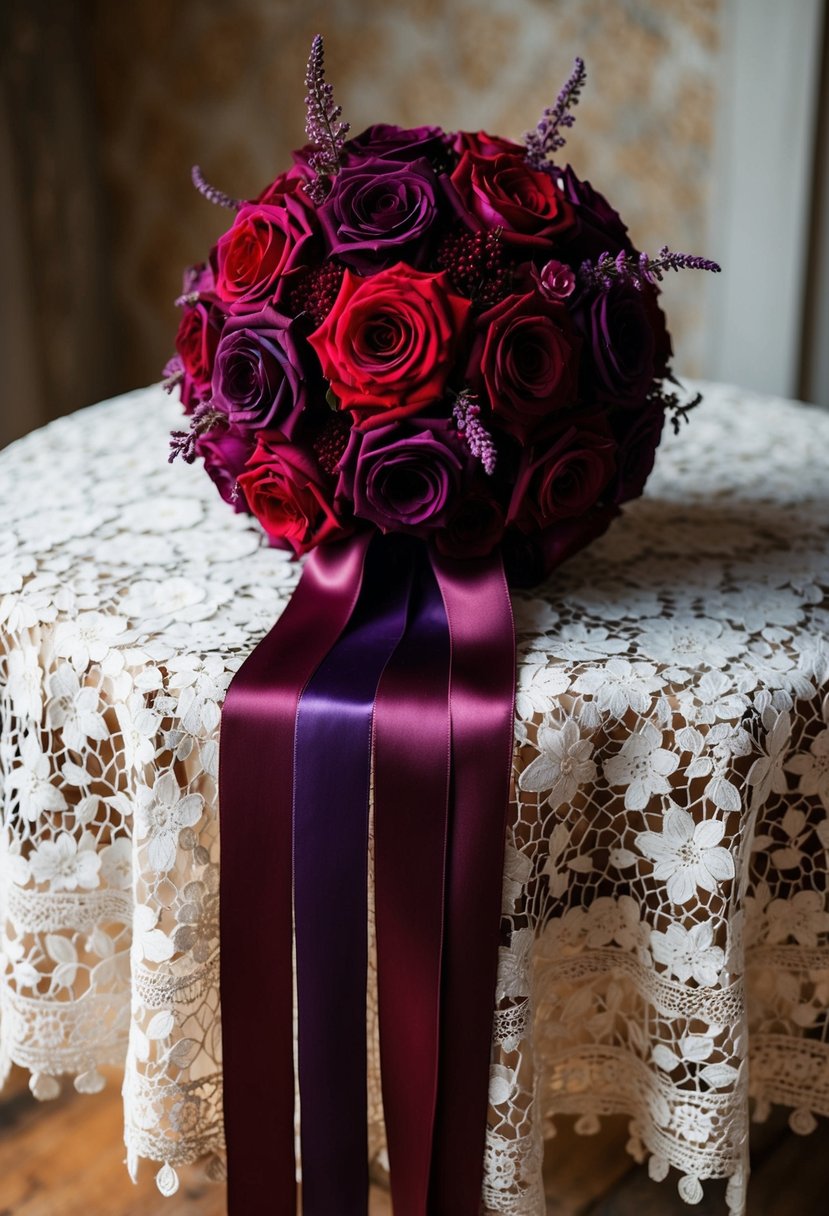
x=442, y=334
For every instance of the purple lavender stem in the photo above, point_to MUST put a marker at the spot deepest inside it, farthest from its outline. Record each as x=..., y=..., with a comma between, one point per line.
x=637, y=271
x=322, y=123
x=211, y=193
x=204, y=418
x=546, y=139
x=466, y=412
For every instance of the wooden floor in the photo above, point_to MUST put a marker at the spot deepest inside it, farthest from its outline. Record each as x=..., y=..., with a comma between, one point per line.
x=65, y=1158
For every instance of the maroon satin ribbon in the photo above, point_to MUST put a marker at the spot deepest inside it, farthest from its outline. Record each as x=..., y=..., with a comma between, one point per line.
x=256, y=904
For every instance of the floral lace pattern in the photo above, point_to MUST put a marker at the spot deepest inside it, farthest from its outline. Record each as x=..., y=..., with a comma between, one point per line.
x=665, y=913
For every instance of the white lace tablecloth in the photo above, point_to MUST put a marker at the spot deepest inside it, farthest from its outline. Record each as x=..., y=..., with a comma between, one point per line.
x=666, y=878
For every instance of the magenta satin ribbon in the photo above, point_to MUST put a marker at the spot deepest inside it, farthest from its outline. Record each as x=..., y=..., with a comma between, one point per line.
x=443, y=721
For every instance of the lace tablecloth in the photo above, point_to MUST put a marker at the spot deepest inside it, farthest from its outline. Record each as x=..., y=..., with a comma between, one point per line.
x=665, y=891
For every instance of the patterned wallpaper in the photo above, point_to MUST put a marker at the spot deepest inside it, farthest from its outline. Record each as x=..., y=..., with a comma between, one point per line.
x=221, y=84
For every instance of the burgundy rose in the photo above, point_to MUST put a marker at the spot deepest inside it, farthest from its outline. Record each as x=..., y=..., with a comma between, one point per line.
x=528, y=560
x=225, y=452
x=265, y=243
x=638, y=441
x=290, y=182
x=563, y=479
x=260, y=375
x=483, y=144
x=287, y=492
x=474, y=528
x=385, y=140
x=619, y=335
x=504, y=191
x=525, y=359
x=379, y=212
x=403, y=478
x=390, y=341
x=599, y=228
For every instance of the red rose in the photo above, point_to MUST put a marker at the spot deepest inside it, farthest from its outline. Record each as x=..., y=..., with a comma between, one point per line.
x=389, y=343
x=565, y=479
x=525, y=359
x=504, y=191
x=483, y=144
x=264, y=243
x=286, y=491
x=289, y=182
x=196, y=342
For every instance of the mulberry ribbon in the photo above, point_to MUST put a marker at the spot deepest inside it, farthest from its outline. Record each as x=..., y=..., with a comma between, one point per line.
x=296, y=734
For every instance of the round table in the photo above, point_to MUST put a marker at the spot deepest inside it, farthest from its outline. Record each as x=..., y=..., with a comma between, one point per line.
x=665, y=913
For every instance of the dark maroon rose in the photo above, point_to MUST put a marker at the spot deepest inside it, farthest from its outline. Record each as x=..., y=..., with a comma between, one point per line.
x=290, y=182
x=380, y=212
x=505, y=192
x=638, y=435
x=386, y=141
x=563, y=478
x=405, y=477
x=619, y=340
x=525, y=362
x=483, y=144
x=528, y=560
x=261, y=372
x=225, y=452
x=474, y=528
x=598, y=228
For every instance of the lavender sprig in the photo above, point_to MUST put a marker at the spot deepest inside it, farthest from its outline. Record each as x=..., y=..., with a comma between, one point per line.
x=204, y=418
x=466, y=413
x=212, y=194
x=673, y=404
x=322, y=124
x=625, y=268
x=546, y=139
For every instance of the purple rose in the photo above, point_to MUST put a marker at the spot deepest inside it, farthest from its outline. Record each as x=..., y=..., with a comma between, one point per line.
x=404, y=477
x=380, y=212
x=638, y=441
x=260, y=372
x=618, y=332
x=225, y=452
x=598, y=226
x=386, y=141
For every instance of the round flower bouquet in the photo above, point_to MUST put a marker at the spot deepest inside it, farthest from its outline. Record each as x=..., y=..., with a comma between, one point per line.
x=435, y=363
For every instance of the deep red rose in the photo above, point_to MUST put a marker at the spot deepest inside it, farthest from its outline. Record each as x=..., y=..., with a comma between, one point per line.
x=289, y=182
x=565, y=478
x=196, y=342
x=504, y=191
x=525, y=360
x=483, y=144
x=287, y=492
x=265, y=243
x=389, y=342
x=475, y=527
x=529, y=559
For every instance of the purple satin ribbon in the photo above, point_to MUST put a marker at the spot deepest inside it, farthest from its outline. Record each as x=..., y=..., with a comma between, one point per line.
x=296, y=735
x=332, y=777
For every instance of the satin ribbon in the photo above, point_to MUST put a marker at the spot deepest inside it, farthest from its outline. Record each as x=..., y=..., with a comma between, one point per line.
x=256, y=912
x=332, y=776
x=444, y=730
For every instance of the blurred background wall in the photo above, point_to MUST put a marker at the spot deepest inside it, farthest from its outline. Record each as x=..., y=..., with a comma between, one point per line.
x=105, y=106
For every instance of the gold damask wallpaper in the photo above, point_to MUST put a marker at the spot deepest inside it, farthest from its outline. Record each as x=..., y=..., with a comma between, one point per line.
x=221, y=84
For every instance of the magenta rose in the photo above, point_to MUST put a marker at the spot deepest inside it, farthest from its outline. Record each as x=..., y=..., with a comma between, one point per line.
x=404, y=477
x=556, y=281
x=390, y=341
x=288, y=493
x=225, y=452
x=265, y=243
x=565, y=478
x=504, y=191
x=474, y=528
x=261, y=372
x=381, y=211
x=525, y=361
